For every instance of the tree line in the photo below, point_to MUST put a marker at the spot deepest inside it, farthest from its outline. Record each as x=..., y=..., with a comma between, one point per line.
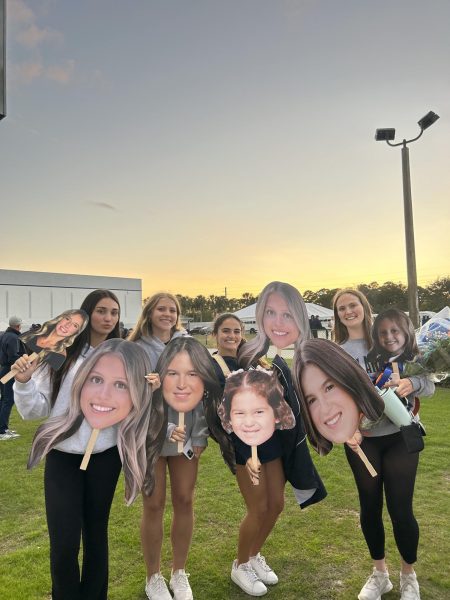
x=388, y=295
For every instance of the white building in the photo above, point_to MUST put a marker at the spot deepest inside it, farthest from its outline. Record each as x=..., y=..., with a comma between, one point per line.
x=37, y=297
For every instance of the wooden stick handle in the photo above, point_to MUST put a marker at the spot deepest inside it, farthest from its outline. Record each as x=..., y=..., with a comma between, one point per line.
x=89, y=448
x=11, y=374
x=255, y=463
x=366, y=461
x=180, y=424
x=395, y=368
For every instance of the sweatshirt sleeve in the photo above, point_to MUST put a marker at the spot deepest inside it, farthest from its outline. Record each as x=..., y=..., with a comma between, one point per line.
x=422, y=386
x=200, y=432
x=32, y=398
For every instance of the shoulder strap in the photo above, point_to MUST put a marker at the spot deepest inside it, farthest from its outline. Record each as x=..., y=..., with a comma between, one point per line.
x=222, y=364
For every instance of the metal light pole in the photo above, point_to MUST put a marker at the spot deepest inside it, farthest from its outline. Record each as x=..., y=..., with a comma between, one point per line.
x=386, y=135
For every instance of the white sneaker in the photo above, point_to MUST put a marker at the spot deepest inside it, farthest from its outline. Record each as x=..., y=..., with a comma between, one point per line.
x=262, y=569
x=8, y=436
x=409, y=587
x=156, y=588
x=179, y=584
x=12, y=433
x=246, y=578
x=377, y=585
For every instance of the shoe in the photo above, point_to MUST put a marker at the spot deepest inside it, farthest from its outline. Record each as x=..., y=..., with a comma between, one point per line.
x=262, y=569
x=377, y=585
x=246, y=578
x=156, y=588
x=179, y=584
x=409, y=587
x=13, y=433
x=8, y=436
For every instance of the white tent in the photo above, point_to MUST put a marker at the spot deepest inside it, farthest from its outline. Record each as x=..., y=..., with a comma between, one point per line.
x=313, y=309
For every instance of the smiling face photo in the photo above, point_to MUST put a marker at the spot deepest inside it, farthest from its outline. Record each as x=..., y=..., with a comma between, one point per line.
x=105, y=396
x=182, y=386
x=253, y=406
x=333, y=411
x=279, y=323
x=69, y=325
x=251, y=417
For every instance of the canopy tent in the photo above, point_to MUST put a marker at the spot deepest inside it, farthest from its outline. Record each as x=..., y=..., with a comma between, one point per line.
x=313, y=309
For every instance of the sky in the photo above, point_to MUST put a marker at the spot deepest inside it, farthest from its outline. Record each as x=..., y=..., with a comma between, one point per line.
x=206, y=146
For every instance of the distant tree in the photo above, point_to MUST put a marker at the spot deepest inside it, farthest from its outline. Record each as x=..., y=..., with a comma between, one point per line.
x=435, y=296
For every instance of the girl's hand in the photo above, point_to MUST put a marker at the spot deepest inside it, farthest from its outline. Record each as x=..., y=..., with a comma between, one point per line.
x=355, y=441
x=154, y=380
x=394, y=380
x=197, y=450
x=254, y=473
x=23, y=369
x=404, y=388
x=178, y=434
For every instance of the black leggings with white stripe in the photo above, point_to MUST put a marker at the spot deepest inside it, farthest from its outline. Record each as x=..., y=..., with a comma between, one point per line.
x=78, y=504
x=396, y=470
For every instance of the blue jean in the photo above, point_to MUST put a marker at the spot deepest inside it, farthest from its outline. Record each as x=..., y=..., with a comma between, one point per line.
x=7, y=400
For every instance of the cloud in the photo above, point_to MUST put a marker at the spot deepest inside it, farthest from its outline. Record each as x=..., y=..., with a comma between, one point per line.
x=61, y=73
x=103, y=205
x=27, y=72
x=19, y=12
x=33, y=35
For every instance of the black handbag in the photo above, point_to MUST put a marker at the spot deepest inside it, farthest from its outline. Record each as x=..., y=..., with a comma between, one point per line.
x=412, y=436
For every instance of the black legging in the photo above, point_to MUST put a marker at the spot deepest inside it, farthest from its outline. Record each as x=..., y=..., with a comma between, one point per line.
x=78, y=503
x=396, y=470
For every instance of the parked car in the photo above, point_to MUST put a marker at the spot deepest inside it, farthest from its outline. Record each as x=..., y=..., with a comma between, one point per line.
x=201, y=331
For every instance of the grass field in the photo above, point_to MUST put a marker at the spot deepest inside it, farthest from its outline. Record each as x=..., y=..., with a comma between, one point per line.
x=318, y=553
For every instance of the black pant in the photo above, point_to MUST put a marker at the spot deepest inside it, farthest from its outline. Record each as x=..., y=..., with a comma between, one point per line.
x=78, y=504
x=7, y=399
x=396, y=470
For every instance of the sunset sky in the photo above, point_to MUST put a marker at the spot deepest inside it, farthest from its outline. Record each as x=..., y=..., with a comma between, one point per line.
x=209, y=144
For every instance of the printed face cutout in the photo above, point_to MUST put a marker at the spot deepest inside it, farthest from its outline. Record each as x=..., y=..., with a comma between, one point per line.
x=182, y=386
x=51, y=340
x=105, y=396
x=333, y=411
x=278, y=322
x=253, y=407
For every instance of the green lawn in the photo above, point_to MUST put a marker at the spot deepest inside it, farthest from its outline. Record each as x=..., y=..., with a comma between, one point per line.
x=318, y=553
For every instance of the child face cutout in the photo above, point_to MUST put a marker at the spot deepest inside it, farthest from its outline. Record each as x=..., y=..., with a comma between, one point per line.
x=182, y=386
x=252, y=418
x=105, y=396
x=333, y=411
x=278, y=322
x=391, y=337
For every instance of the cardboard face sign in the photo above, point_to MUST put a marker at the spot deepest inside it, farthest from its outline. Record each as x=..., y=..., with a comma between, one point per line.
x=253, y=406
x=105, y=396
x=333, y=411
x=182, y=386
x=52, y=339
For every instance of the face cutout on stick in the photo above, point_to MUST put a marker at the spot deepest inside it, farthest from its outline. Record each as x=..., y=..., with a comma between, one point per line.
x=182, y=386
x=253, y=406
x=50, y=341
x=333, y=411
x=105, y=396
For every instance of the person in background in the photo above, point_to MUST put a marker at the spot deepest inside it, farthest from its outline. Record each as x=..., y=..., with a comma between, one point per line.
x=11, y=348
x=228, y=331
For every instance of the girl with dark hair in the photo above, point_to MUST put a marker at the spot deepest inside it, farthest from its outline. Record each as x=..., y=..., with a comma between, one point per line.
x=282, y=320
x=228, y=331
x=385, y=448
x=187, y=377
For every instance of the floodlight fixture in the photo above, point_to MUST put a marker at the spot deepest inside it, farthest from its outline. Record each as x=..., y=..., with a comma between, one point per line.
x=383, y=135
x=387, y=135
x=427, y=120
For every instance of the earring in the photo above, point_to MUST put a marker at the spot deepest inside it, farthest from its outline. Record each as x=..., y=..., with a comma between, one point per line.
x=206, y=394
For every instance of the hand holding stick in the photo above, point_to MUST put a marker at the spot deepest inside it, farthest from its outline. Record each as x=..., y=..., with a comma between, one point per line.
x=13, y=371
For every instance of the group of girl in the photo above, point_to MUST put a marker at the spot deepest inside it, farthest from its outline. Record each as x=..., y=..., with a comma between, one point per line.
x=151, y=440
